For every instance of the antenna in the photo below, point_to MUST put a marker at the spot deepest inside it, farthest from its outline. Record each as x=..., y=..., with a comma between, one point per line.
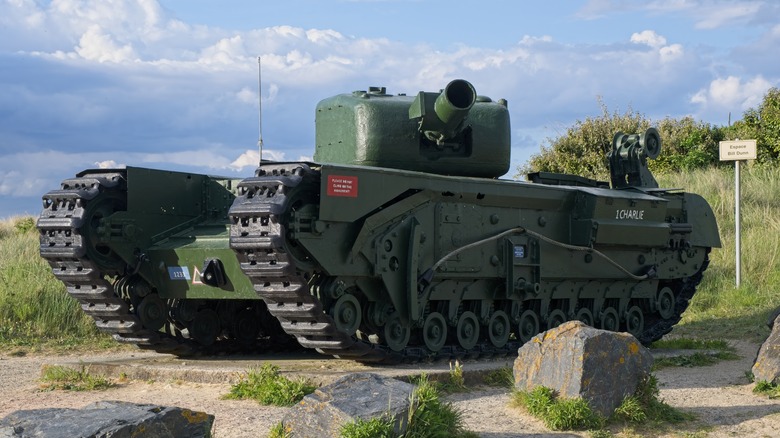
x=260, y=109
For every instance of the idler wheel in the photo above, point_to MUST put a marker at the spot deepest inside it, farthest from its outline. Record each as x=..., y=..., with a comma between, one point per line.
x=98, y=209
x=245, y=326
x=556, y=318
x=610, y=320
x=467, y=330
x=434, y=331
x=346, y=313
x=585, y=316
x=396, y=335
x=499, y=328
x=152, y=312
x=205, y=327
x=635, y=321
x=665, y=304
x=528, y=326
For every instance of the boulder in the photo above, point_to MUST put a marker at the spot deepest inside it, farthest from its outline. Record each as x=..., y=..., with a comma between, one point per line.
x=766, y=368
x=113, y=419
x=576, y=360
x=357, y=396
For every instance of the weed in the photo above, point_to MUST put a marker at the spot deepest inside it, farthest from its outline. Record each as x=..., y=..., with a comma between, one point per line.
x=556, y=413
x=455, y=382
x=378, y=427
x=503, y=377
x=631, y=410
x=268, y=387
x=575, y=414
x=280, y=430
x=430, y=417
x=69, y=379
x=691, y=344
x=768, y=389
x=718, y=350
x=656, y=411
x=693, y=360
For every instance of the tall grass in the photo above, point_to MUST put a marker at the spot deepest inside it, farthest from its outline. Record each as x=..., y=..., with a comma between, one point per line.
x=35, y=309
x=719, y=308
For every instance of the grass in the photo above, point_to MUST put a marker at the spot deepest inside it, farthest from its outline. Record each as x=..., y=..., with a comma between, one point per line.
x=767, y=389
x=428, y=417
x=641, y=409
x=717, y=350
x=35, y=310
x=57, y=377
x=377, y=427
x=268, y=387
x=503, y=377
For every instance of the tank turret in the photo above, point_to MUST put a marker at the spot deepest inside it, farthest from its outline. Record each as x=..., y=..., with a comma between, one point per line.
x=451, y=132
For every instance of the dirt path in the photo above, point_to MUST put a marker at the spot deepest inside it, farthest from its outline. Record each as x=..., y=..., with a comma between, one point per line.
x=719, y=395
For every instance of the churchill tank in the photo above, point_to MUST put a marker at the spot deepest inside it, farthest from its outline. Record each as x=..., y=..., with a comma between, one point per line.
x=399, y=241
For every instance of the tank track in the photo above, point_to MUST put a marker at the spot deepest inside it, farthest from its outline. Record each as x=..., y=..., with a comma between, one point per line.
x=63, y=246
x=282, y=278
x=684, y=290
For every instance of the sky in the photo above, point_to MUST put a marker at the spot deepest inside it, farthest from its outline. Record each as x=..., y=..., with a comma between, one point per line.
x=173, y=84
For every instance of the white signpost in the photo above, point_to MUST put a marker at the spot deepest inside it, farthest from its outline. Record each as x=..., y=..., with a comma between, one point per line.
x=736, y=151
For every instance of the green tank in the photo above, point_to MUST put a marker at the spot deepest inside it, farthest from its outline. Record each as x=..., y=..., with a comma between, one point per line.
x=397, y=243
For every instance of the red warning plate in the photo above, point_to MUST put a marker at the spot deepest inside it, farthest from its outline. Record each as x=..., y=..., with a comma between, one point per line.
x=346, y=186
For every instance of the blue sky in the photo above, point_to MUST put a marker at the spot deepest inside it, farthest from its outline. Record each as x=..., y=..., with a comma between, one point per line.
x=172, y=84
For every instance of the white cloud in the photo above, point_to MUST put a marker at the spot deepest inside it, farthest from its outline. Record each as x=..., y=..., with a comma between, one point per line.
x=96, y=45
x=732, y=94
x=649, y=38
x=109, y=164
x=250, y=158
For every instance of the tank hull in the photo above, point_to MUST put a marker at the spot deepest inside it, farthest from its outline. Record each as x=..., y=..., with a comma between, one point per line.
x=381, y=264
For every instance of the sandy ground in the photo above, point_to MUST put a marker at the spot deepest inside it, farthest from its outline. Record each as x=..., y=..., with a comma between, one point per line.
x=720, y=396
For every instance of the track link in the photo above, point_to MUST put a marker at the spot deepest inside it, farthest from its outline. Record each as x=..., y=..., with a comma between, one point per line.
x=65, y=248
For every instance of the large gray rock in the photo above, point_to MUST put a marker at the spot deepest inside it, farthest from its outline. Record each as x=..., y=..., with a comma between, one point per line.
x=767, y=365
x=576, y=360
x=107, y=419
x=356, y=396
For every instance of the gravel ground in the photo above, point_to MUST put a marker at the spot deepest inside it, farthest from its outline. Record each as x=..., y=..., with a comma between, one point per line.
x=720, y=396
